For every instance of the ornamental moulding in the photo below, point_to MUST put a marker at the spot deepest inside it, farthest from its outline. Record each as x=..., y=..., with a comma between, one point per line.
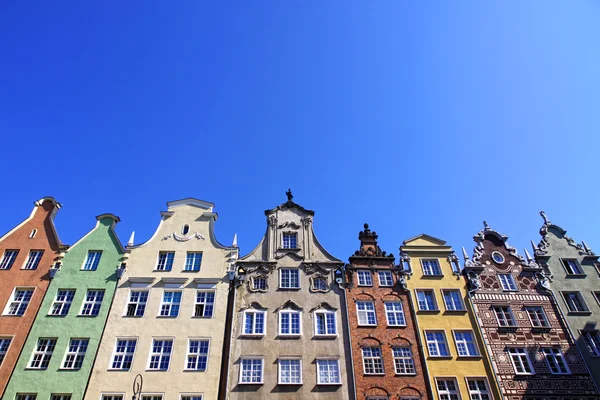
x=175, y=236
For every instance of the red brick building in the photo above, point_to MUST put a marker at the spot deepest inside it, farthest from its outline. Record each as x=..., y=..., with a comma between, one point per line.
x=27, y=252
x=388, y=363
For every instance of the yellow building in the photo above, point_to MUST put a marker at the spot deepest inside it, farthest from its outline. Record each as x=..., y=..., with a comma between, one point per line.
x=453, y=348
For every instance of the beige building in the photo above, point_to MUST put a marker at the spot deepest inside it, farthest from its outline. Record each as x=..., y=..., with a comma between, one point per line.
x=167, y=320
x=289, y=339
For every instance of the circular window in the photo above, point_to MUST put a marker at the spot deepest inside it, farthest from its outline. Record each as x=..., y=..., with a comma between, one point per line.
x=497, y=257
x=186, y=229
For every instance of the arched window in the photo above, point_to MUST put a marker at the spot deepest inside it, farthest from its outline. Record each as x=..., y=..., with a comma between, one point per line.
x=186, y=229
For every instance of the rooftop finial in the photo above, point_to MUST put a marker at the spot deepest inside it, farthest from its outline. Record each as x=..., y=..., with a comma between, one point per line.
x=131, y=239
x=486, y=227
x=366, y=227
x=527, y=255
x=534, y=247
x=234, y=244
x=546, y=220
x=289, y=194
x=465, y=255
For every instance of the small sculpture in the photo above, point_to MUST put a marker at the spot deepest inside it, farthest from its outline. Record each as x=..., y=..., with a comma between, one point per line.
x=546, y=220
x=474, y=281
x=289, y=194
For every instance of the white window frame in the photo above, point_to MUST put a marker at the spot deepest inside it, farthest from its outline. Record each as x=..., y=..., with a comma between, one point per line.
x=152, y=396
x=112, y=396
x=138, y=303
x=26, y=299
x=198, y=355
x=5, y=342
x=461, y=341
x=572, y=266
x=291, y=241
x=262, y=371
x=433, y=297
x=404, y=360
x=446, y=393
x=170, y=304
x=552, y=356
x=8, y=258
x=329, y=362
x=477, y=392
x=280, y=370
x=434, y=344
x=592, y=340
x=208, y=305
x=259, y=278
x=93, y=303
x=77, y=355
x=62, y=302
x=518, y=353
x=44, y=353
x=191, y=396
x=254, y=332
x=291, y=271
x=453, y=306
x=375, y=361
x=291, y=313
x=569, y=302
x=33, y=259
x=92, y=260
x=319, y=279
x=431, y=266
x=25, y=396
x=123, y=354
x=60, y=396
x=397, y=314
x=164, y=262
x=364, y=277
x=508, y=283
x=325, y=314
x=503, y=314
x=365, y=313
x=537, y=321
x=161, y=354
x=385, y=281
x=190, y=262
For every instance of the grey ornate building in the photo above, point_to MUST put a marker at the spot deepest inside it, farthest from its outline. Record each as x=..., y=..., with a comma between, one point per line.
x=575, y=281
x=532, y=354
x=288, y=336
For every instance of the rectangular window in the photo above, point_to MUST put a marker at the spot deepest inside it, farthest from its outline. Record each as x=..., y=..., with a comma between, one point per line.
x=426, y=300
x=55, y=396
x=254, y=322
x=251, y=370
x=259, y=283
x=328, y=372
x=436, y=344
x=431, y=267
x=385, y=278
x=394, y=314
x=404, y=363
x=507, y=281
x=556, y=361
x=478, y=389
x=537, y=316
x=290, y=278
x=572, y=266
x=290, y=241
x=290, y=372
x=8, y=259
x=75, y=353
x=504, y=316
x=325, y=323
x=42, y=353
x=193, y=261
x=205, y=304
x=169, y=306
x=34, y=259
x=4, y=345
x=112, y=397
x=453, y=300
x=191, y=397
x=197, y=356
x=152, y=397
x=592, y=340
x=520, y=361
x=372, y=360
x=465, y=344
x=160, y=356
x=19, y=300
x=92, y=302
x=136, y=306
x=575, y=302
x=366, y=313
x=123, y=355
x=165, y=260
x=447, y=389
x=289, y=323
x=92, y=261
x=364, y=278
x=26, y=396
x=62, y=302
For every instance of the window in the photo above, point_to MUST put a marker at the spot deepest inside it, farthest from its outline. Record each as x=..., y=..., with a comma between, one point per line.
x=465, y=344
x=537, y=317
x=193, y=261
x=33, y=233
x=205, y=304
x=364, y=278
x=197, y=356
x=259, y=283
x=385, y=278
x=436, y=344
x=372, y=360
x=447, y=389
x=289, y=241
x=597, y=296
x=290, y=372
x=93, y=258
x=123, y=355
x=556, y=361
x=26, y=396
x=504, y=316
x=328, y=372
x=4, y=345
x=191, y=397
x=453, y=300
x=319, y=284
x=497, y=257
x=575, y=302
x=165, y=260
x=62, y=303
x=112, y=397
x=290, y=278
x=507, y=281
x=160, y=356
x=426, y=300
x=325, y=323
x=34, y=259
x=251, y=370
x=42, y=353
x=152, y=397
x=185, y=230
x=520, y=361
x=92, y=302
x=592, y=339
x=137, y=303
x=366, y=313
x=289, y=323
x=8, y=259
x=394, y=314
x=170, y=304
x=18, y=302
x=431, y=267
x=75, y=354
x=478, y=389
x=254, y=322
x=572, y=266
x=404, y=363
x=55, y=396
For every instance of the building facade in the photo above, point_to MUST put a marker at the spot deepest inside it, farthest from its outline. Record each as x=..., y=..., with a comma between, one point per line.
x=288, y=337
x=455, y=356
x=28, y=252
x=529, y=345
x=575, y=282
x=388, y=362
x=167, y=321
x=57, y=357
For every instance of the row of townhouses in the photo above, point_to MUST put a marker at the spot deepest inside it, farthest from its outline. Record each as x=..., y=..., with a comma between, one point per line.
x=184, y=317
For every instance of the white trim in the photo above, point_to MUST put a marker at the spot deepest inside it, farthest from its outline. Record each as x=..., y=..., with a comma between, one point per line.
x=290, y=312
x=339, y=372
x=460, y=297
x=281, y=278
x=201, y=395
x=435, y=302
x=437, y=343
x=11, y=299
x=187, y=354
x=508, y=287
x=214, y=303
x=114, y=353
x=10, y=342
x=76, y=354
x=254, y=311
x=279, y=360
x=556, y=354
x=367, y=312
x=385, y=272
x=262, y=370
x=373, y=360
x=368, y=274
x=447, y=391
x=545, y=317
x=162, y=302
x=519, y=351
x=102, y=394
x=478, y=392
x=465, y=343
x=439, y=265
x=325, y=313
x=401, y=311
x=160, y=355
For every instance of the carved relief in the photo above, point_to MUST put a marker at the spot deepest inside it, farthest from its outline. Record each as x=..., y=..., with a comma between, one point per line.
x=175, y=236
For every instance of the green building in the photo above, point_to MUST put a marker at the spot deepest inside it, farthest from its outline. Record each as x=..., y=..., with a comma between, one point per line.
x=57, y=357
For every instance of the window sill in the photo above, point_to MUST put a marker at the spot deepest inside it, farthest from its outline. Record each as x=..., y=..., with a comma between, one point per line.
x=167, y=316
x=86, y=316
x=288, y=336
x=440, y=357
x=69, y=369
x=367, y=326
x=364, y=285
x=157, y=370
x=133, y=316
x=56, y=315
x=289, y=288
x=412, y=374
x=576, y=276
x=510, y=290
x=464, y=311
x=194, y=370
x=161, y=270
x=118, y=370
x=250, y=383
x=253, y=335
x=325, y=336
x=579, y=313
x=428, y=311
x=187, y=271
x=380, y=374
x=201, y=317
x=468, y=357
x=289, y=384
x=10, y=315
x=90, y=270
x=329, y=384
x=396, y=326
x=433, y=276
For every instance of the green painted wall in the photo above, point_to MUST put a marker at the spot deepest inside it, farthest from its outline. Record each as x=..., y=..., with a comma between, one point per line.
x=71, y=276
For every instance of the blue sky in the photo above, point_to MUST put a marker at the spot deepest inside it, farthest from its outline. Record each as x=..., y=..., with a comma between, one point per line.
x=413, y=116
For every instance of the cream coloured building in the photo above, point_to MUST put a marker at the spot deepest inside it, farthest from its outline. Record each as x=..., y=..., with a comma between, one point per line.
x=167, y=320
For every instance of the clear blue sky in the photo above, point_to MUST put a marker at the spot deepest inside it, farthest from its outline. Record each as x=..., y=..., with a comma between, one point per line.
x=413, y=116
